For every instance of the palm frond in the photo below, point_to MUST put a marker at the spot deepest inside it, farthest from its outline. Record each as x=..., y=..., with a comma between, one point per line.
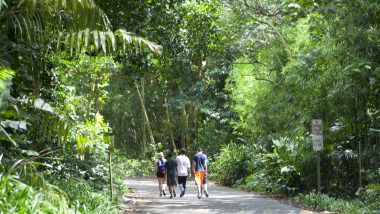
x=31, y=18
x=3, y=5
x=5, y=74
x=106, y=41
x=6, y=136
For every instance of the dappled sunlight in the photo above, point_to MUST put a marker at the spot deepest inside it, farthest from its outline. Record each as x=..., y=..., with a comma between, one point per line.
x=221, y=200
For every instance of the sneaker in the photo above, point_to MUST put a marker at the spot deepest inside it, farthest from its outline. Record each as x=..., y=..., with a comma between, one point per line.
x=160, y=194
x=182, y=193
x=171, y=196
x=163, y=192
x=206, y=193
x=175, y=195
x=199, y=196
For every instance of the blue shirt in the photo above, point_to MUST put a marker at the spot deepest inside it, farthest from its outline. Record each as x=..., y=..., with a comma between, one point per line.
x=200, y=162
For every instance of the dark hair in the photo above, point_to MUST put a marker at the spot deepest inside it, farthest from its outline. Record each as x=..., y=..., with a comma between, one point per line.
x=169, y=154
x=200, y=149
x=182, y=151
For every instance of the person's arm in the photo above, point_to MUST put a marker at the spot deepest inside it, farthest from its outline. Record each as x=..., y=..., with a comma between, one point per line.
x=188, y=168
x=193, y=167
x=155, y=169
x=176, y=168
x=206, y=167
x=166, y=168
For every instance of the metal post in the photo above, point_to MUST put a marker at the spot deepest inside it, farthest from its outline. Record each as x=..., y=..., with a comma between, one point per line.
x=110, y=171
x=319, y=172
x=110, y=149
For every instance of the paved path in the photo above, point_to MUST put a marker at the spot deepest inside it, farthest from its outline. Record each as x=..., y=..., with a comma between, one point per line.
x=221, y=200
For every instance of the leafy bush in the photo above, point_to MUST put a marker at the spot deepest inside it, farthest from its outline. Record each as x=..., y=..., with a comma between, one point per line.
x=325, y=202
x=86, y=182
x=231, y=164
x=368, y=201
x=135, y=167
x=19, y=196
x=258, y=182
x=257, y=169
x=370, y=197
x=85, y=198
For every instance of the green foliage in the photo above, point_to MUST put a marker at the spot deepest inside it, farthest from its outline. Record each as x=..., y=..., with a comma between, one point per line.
x=84, y=198
x=92, y=134
x=332, y=74
x=325, y=202
x=370, y=198
x=211, y=136
x=21, y=193
x=368, y=201
x=278, y=170
x=119, y=41
x=5, y=74
x=135, y=167
x=244, y=76
x=17, y=197
x=86, y=182
x=231, y=164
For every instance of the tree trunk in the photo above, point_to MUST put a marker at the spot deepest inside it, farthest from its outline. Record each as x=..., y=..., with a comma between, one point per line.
x=96, y=92
x=146, y=116
x=169, y=124
x=143, y=121
x=185, y=135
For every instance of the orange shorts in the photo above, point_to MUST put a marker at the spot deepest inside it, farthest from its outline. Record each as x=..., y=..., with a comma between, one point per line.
x=199, y=178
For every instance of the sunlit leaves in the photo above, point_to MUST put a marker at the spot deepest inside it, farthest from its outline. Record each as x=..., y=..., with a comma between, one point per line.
x=91, y=134
x=5, y=74
x=119, y=41
x=32, y=20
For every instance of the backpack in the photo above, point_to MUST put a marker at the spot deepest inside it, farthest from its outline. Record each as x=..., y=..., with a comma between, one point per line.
x=160, y=165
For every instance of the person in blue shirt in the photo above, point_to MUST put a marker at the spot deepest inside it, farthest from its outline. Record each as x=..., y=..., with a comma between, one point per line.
x=160, y=173
x=200, y=170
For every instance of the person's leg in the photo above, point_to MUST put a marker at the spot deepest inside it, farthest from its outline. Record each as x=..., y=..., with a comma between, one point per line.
x=183, y=189
x=170, y=191
x=168, y=182
x=173, y=189
x=199, y=176
x=159, y=186
x=199, y=190
x=182, y=184
x=205, y=181
x=205, y=191
x=197, y=180
x=162, y=180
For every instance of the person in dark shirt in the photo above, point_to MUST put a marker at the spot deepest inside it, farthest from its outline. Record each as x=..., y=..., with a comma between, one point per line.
x=200, y=170
x=171, y=174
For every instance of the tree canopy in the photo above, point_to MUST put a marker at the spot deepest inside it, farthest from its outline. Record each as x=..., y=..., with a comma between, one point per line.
x=88, y=83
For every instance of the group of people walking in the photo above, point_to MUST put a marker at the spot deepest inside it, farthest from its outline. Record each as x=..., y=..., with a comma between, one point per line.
x=178, y=169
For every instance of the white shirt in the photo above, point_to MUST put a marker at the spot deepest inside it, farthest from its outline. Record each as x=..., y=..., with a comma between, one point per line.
x=183, y=165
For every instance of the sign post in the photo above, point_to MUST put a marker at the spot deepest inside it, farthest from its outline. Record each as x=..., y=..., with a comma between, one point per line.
x=317, y=137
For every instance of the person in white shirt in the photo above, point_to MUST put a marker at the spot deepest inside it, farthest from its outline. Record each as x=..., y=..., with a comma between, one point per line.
x=183, y=170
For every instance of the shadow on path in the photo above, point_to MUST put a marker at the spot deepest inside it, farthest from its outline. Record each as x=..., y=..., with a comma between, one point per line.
x=221, y=200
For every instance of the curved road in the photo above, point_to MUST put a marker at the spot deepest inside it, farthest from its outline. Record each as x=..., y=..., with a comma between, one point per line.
x=221, y=200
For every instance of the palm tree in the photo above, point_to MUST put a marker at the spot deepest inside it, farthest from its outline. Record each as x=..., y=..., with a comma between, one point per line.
x=34, y=27
x=77, y=25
